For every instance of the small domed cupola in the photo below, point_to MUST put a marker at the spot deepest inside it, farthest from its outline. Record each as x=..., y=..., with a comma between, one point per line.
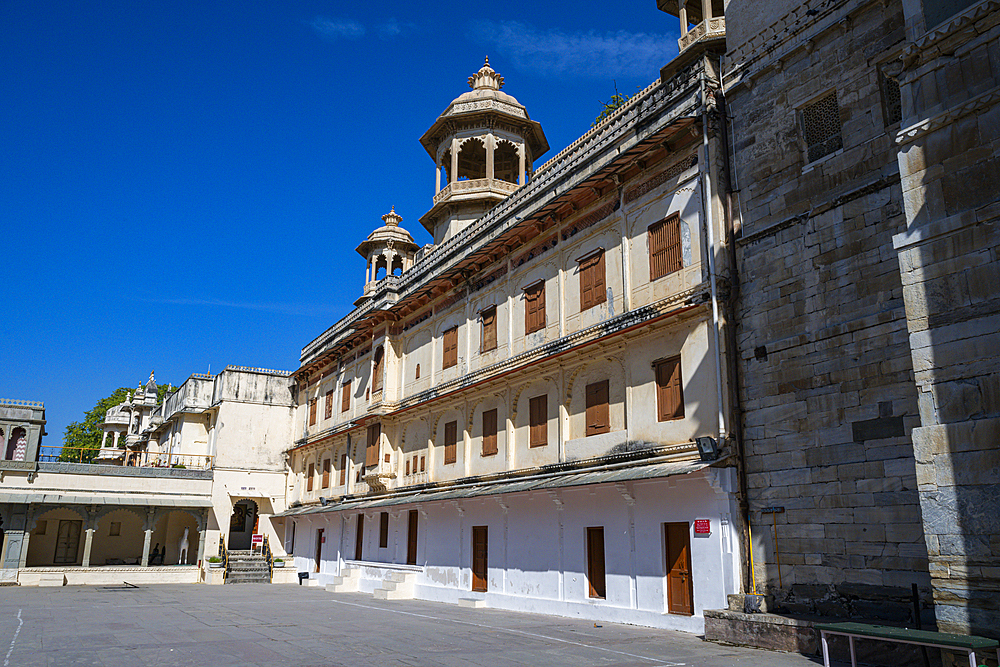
x=483, y=147
x=389, y=250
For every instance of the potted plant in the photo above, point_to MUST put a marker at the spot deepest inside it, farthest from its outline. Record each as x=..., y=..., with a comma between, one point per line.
x=214, y=561
x=278, y=562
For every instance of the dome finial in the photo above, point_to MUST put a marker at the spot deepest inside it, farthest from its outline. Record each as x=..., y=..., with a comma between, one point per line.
x=392, y=219
x=486, y=77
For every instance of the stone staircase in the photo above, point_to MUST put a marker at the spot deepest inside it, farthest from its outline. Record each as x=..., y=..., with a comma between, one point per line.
x=396, y=586
x=346, y=582
x=247, y=568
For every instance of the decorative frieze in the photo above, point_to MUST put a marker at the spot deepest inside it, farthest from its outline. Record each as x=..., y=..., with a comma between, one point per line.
x=488, y=279
x=449, y=302
x=660, y=178
x=589, y=220
x=538, y=250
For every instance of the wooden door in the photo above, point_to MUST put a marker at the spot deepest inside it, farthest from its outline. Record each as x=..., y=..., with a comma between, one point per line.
x=480, y=547
x=67, y=541
x=595, y=562
x=319, y=548
x=359, y=538
x=680, y=598
x=411, y=539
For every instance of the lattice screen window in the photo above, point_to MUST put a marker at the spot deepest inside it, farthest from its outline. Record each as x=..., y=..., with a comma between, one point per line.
x=892, y=101
x=821, y=127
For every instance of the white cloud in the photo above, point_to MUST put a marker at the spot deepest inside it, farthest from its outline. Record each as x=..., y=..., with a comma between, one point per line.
x=592, y=54
x=337, y=28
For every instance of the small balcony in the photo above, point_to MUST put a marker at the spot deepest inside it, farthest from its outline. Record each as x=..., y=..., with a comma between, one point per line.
x=475, y=187
x=708, y=31
x=378, y=476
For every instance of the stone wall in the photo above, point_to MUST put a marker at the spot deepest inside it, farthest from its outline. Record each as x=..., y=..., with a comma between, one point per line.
x=827, y=380
x=949, y=256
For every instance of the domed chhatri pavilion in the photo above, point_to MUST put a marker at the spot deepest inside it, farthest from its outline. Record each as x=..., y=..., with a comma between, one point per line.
x=483, y=147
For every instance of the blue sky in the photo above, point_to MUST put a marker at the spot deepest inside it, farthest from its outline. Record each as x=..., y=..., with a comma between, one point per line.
x=183, y=184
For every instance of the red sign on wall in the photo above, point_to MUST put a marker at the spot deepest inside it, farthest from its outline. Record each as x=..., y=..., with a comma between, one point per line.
x=702, y=526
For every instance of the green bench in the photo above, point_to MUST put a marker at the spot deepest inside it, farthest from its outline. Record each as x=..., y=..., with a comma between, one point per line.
x=904, y=636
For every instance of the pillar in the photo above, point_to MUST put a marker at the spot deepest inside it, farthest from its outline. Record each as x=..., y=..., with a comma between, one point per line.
x=683, y=12
x=491, y=143
x=454, y=161
x=86, y=547
x=201, y=542
x=117, y=433
x=145, y=546
x=706, y=10
x=520, y=164
x=23, y=560
x=437, y=178
x=104, y=439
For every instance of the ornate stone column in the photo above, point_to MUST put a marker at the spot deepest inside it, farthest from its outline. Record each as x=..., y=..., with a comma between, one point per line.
x=520, y=164
x=491, y=143
x=683, y=12
x=454, y=161
x=88, y=543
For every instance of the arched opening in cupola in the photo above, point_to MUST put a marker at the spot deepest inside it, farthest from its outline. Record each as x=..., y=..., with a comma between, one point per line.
x=472, y=159
x=506, y=162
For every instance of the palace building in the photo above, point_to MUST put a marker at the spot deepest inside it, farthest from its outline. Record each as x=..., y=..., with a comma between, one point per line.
x=533, y=412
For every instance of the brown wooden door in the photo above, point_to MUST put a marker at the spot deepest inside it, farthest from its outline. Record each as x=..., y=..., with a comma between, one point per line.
x=680, y=599
x=359, y=537
x=595, y=563
x=411, y=539
x=319, y=548
x=480, y=547
x=67, y=541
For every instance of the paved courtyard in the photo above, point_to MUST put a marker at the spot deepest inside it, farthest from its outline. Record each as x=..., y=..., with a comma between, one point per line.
x=217, y=626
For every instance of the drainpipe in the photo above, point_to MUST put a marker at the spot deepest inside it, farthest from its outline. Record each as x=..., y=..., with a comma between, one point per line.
x=736, y=406
x=709, y=225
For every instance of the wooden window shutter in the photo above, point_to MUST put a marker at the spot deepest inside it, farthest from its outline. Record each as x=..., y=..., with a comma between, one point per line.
x=343, y=469
x=597, y=408
x=423, y=463
x=534, y=308
x=592, y=290
x=326, y=474
x=312, y=411
x=538, y=421
x=311, y=474
x=377, y=369
x=450, y=442
x=374, y=435
x=490, y=432
x=669, y=390
x=345, y=398
x=665, y=251
x=328, y=406
x=595, y=562
x=489, y=341
x=450, y=357
x=383, y=530
x=407, y=467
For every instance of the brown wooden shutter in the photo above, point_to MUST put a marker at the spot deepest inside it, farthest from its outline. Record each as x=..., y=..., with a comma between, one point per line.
x=665, y=251
x=597, y=408
x=669, y=391
x=328, y=405
x=450, y=356
x=489, y=341
x=423, y=463
x=450, y=442
x=592, y=281
x=343, y=469
x=538, y=421
x=489, y=432
x=345, y=398
x=595, y=562
x=371, y=457
x=411, y=539
x=480, y=559
x=377, y=369
x=534, y=308
x=326, y=473
x=312, y=411
x=407, y=467
x=383, y=531
x=311, y=474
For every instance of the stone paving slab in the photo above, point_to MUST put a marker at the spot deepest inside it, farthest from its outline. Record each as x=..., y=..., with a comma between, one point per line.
x=190, y=625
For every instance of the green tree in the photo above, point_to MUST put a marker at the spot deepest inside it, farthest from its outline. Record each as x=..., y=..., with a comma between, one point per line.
x=82, y=440
x=610, y=106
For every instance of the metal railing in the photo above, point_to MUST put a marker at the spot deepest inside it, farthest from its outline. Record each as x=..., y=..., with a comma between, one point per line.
x=225, y=558
x=266, y=552
x=141, y=459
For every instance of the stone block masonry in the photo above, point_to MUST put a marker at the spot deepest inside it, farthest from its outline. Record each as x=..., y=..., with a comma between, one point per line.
x=827, y=378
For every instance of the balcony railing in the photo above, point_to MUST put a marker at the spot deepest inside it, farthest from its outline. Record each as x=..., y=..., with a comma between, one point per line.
x=711, y=29
x=113, y=456
x=475, y=186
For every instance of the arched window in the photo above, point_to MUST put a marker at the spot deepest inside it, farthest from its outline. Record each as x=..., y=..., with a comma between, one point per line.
x=17, y=446
x=377, y=369
x=380, y=267
x=446, y=166
x=472, y=159
x=506, y=162
x=397, y=266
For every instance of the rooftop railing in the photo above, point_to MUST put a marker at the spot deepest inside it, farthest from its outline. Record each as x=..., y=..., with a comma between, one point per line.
x=110, y=456
x=10, y=402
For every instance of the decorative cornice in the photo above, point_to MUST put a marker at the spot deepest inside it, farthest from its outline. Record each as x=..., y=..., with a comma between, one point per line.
x=988, y=99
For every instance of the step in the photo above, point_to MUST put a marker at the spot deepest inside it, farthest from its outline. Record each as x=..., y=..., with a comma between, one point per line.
x=471, y=603
x=395, y=586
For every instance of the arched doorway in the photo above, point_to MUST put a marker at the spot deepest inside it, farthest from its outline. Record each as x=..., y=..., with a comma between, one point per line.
x=242, y=524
